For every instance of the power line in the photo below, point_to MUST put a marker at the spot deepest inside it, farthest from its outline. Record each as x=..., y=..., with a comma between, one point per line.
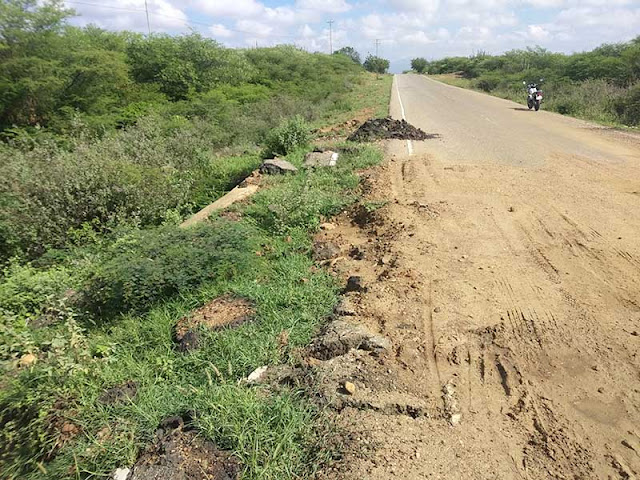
x=186, y=22
x=330, y=22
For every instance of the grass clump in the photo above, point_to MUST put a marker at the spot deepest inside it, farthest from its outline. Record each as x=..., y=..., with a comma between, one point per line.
x=286, y=138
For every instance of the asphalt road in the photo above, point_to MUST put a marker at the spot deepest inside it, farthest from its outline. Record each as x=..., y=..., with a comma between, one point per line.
x=509, y=285
x=477, y=128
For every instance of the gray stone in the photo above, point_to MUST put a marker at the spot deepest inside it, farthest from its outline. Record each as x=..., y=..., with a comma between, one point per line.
x=277, y=166
x=325, y=250
x=120, y=474
x=321, y=159
x=355, y=284
x=345, y=308
x=340, y=336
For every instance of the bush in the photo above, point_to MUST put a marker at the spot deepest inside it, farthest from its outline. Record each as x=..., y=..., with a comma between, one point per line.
x=147, y=266
x=26, y=291
x=487, y=83
x=290, y=135
x=627, y=107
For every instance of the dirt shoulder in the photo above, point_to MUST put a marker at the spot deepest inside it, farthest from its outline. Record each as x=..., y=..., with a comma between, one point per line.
x=509, y=296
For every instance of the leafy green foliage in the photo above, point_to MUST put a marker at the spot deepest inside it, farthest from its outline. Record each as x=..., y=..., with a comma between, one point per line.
x=597, y=85
x=109, y=141
x=349, y=52
x=28, y=292
x=291, y=135
x=419, y=65
x=185, y=65
x=627, y=106
x=376, y=64
x=147, y=266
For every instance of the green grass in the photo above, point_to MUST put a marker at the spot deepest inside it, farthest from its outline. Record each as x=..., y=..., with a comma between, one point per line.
x=371, y=96
x=277, y=433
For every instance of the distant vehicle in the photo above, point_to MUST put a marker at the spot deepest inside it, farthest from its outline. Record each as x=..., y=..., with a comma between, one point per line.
x=534, y=95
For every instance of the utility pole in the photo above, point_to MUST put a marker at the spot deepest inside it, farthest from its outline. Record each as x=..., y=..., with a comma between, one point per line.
x=377, y=43
x=146, y=9
x=330, y=22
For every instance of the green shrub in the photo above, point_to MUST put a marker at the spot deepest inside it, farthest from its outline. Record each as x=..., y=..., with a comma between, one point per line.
x=26, y=291
x=292, y=134
x=627, y=106
x=487, y=83
x=147, y=266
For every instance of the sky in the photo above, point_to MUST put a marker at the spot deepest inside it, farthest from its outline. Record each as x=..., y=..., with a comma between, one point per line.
x=405, y=29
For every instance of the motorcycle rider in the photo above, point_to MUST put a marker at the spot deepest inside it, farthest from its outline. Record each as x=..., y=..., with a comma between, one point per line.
x=534, y=94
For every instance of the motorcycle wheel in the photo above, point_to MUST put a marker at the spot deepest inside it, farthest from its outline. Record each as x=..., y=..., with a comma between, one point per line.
x=537, y=105
x=530, y=105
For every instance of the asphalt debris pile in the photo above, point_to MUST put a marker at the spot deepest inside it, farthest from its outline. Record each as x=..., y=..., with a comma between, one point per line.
x=179, y=453
x=388, y=128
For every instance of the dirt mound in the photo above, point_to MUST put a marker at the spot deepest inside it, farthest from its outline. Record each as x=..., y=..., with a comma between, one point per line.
x=181, y=454
x=388, y=128
x=119, y=394
x=223, y=312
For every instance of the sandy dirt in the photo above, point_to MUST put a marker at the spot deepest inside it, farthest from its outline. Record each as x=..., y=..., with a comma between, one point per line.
x=505, y=271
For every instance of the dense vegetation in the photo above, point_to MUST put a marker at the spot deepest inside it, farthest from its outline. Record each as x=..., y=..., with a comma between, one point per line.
x=376, y=64
x=102, y=128
x=109, y=140
x=603, y=84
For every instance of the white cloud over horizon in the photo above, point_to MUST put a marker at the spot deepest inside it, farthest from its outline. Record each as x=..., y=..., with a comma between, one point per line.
x=405, y=28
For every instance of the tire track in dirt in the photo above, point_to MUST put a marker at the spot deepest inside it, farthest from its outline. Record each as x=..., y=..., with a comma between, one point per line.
x=511, y=306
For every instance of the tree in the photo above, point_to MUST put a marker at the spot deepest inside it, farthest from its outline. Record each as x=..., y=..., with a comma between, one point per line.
x=419, y=65
x=376, y=64
x=349, y=52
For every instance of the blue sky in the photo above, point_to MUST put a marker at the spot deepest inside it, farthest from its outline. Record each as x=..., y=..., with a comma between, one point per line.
x=406, y=28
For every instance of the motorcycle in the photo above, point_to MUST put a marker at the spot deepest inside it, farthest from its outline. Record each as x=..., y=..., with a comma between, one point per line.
x=534, y=95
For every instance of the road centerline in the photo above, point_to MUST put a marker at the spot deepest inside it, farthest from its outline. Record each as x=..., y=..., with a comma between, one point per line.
x=404, y=117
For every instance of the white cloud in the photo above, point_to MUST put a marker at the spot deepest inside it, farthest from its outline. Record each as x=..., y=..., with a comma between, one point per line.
x=130, y=15
x=329, y=6
x=220, y=31
x=229, y=8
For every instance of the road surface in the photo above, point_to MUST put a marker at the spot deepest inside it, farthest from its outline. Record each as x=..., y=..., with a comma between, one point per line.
x=506, y=271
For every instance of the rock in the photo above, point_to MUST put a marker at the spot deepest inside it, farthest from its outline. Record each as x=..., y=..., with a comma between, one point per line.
x=189, y=341
x=341, y=336
x=277, y=166
x=355, y=284
x=69, y=428
x=357, y=253
x=345, y=308
x=375, y=343
x=327, y=226
x=456, y=418
x=120, y=474
x=436, y=310
x=320, y=159
x=387, y=260
x=323, y=250
x=511, y=209
x=257, y=374
x=27, y=360
x=119, y=393
x=350, y=388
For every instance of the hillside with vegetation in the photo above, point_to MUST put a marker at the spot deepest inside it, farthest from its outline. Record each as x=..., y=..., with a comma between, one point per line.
x=109, y=140
x=601, y=85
